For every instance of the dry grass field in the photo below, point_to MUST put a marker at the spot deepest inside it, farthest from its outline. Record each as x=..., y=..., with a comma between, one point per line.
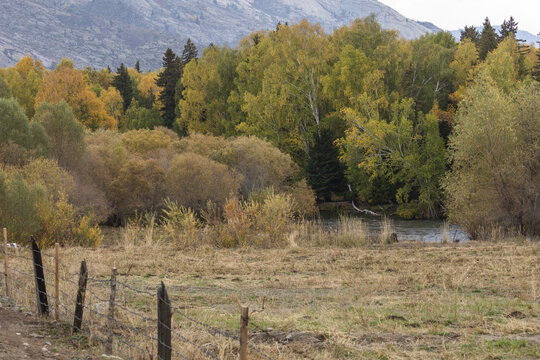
x=401, y=301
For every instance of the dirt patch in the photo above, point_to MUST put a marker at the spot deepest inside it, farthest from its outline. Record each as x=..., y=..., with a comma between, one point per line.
x=23, y=336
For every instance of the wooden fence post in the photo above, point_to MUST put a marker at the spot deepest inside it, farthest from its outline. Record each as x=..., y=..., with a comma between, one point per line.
x=41, y=289
x=56, y=281
x=81, y=292
x=110, y=322
x=244, y=321
x=164, y=324
x=6, y=276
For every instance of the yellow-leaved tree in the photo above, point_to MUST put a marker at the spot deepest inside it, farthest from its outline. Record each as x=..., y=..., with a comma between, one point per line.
x=68, y=84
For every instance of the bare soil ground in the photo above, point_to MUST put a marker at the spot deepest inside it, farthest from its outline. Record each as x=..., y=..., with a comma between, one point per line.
x=24, y=336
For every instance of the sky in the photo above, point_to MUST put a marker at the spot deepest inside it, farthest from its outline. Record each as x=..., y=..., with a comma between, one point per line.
x=455, y=14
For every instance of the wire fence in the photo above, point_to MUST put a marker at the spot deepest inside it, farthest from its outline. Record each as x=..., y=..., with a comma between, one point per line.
x=113, y=315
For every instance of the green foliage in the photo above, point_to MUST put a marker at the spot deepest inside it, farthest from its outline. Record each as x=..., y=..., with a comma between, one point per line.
x=66, y=134
x=407, y=150
x=122, y=82
x=488, y=40
x=325, y=172
x=19, y=207
x=5, y=91
x=168, y=79
x=15, y=128
x=495, y=155
x=138, y=117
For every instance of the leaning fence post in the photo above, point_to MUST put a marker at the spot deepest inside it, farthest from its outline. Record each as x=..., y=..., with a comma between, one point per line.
x=81, y=292
x=6, y=263
x=41, y=289
x=110, y=323
x=56, y=281
x=244, y=321
x=164, y=324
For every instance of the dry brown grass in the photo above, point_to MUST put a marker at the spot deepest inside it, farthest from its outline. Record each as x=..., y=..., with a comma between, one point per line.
x=402, y=301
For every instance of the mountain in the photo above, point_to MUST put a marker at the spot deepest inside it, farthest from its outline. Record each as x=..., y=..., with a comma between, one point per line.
x=107, y=32
x=521, y=34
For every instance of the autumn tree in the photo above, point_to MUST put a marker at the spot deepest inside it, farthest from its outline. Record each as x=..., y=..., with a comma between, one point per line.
x=113, y=102
x=25, y=79
x=68, y=84
x=5, y=91
x=407, y=149
x=495, y=156
x=66, y=134
x=167, y=80
x=207, y=85
x=463, y=66
x=287, y=104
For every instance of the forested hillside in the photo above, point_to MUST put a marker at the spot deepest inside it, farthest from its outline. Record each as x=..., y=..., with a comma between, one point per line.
x=256, y=134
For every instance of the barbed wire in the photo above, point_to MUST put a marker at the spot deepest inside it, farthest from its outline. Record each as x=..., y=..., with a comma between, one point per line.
x=119, y=324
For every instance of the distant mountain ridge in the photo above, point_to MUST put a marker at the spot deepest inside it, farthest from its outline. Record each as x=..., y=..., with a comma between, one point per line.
x=107, y=32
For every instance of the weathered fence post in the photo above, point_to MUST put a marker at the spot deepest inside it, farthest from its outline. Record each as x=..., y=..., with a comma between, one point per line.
x=164, y=324
x=41, y=289
x=56, y=281
x=6, y=276
x=81, y=292
x=244, y=322
x=110, y=322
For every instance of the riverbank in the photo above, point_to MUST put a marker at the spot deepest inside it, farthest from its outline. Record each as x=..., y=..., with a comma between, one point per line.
x=408, y=300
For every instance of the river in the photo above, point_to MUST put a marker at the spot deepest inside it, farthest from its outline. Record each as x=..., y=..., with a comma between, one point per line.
x=418, y=230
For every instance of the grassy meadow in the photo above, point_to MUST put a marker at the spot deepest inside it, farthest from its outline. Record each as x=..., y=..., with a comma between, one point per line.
x=409, y=300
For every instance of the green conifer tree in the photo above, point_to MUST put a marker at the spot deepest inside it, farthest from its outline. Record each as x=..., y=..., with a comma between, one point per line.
x=190, y=52
x=536, y=70
x=488, y=40
x=168, y=79
x=471, y=33
x=325, y=171
x=508, y=27
x=138, y=66
x=122, y=82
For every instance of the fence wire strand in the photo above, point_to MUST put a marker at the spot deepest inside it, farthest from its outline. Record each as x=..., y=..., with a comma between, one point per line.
x=117, y=323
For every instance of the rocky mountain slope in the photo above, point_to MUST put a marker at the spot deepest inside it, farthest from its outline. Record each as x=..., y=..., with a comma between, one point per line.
x=107, y=32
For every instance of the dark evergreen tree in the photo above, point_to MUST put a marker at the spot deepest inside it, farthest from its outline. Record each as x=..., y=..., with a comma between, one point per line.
x=488, y=40
x=509, y=27
x=138, y=66
x=470, y=33
x=168, y=79
x=325, y=171
x=189, y=53
x=109, y=69
x=122, y=82
x=536, y=69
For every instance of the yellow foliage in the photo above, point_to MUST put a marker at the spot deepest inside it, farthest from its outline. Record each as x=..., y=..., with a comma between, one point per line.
x=67, y=83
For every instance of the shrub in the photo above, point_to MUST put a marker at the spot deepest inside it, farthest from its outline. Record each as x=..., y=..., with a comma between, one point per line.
x=495, y=154
x=66, y=134
x=15, y=127
x=137, y=187
x=192, y=180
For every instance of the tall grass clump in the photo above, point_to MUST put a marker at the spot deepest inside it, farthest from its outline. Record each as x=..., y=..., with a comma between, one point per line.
x=386, y=235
